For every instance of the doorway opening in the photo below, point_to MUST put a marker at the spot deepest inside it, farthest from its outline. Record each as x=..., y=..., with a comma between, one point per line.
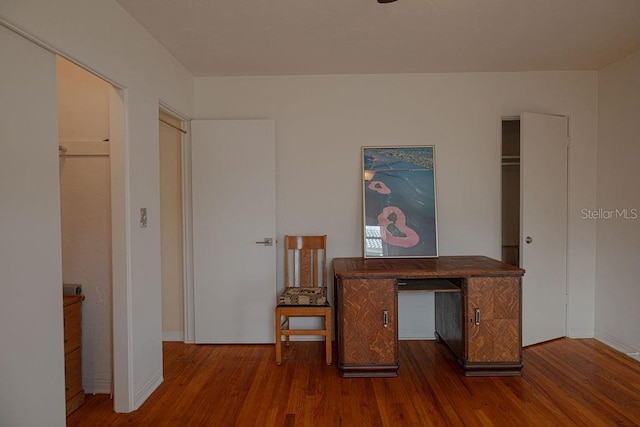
x=510, y=173
x=85, y=205
x=172, y=214
x=92, y=173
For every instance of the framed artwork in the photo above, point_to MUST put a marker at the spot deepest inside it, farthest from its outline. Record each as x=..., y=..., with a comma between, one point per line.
x=399, y=202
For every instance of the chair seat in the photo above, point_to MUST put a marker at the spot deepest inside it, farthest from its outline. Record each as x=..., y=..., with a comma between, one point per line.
x=304, y=296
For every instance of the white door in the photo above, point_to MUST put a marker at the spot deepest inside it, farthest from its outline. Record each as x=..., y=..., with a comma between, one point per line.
x=543, y=157
x=234, y=206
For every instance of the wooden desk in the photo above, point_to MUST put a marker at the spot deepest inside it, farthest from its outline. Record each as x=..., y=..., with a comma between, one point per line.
x=477, y=303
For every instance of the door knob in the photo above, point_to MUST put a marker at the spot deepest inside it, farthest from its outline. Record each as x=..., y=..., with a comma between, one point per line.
x=528, y=240
x=268, y=241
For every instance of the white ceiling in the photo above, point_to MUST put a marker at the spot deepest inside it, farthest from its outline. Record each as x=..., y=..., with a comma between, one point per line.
x=287, y=37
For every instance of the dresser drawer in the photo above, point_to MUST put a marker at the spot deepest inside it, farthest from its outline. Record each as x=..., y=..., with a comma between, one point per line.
x=73, y=373
x=74, y=393
x=72, y=327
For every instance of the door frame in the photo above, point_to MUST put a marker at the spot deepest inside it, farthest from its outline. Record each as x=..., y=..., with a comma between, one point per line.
x=187, y=224
x=187, y=237
x=122, y=387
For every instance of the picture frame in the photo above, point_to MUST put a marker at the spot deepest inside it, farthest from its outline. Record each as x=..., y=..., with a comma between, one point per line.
x=399, y=202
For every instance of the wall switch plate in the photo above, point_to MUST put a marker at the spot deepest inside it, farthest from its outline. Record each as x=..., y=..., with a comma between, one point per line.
x=143, y=217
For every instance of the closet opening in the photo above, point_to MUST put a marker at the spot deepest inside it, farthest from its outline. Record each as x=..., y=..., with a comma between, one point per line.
x=85, y=172
x=510, y=172
x=171, y=148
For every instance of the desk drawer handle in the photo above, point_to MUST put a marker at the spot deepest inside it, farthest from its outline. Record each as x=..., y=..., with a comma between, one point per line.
x=385, y=318
x=477, y=316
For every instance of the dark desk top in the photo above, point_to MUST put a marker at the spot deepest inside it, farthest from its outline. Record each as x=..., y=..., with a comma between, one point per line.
x=416, y=268
x=71, y=299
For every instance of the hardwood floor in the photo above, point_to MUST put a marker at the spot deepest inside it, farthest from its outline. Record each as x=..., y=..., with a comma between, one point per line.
x=565, y=383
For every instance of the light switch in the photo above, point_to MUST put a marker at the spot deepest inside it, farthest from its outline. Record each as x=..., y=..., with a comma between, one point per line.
x=143, y=217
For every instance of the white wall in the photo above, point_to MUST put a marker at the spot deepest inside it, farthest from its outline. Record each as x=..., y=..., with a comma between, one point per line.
x=322, y=121
x=32, y=355
x=85, y=204
x=105, y=39
x=618, y=239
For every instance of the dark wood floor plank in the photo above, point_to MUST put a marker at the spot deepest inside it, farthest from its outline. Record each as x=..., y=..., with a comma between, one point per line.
x=565, y=382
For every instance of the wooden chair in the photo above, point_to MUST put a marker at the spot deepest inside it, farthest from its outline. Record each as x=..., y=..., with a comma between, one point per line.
x=305, y=292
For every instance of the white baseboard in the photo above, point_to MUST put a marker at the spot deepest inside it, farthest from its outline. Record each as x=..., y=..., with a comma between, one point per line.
x=617, y=344
x=580, y=333
x=144, y=393
x=305, y=338
x=97, y=386
x=172, y=336
x=416, y=334
x=405, y=334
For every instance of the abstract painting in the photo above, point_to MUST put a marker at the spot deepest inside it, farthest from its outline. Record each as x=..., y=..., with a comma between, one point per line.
x=399, y=202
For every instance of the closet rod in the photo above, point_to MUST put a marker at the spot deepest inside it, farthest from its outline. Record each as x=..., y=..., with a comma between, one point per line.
x=172, y=125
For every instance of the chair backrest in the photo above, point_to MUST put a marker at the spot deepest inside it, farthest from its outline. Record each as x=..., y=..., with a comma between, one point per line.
x=305, y=261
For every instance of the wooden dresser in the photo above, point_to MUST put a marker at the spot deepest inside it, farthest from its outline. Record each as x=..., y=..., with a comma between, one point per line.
x=478, y=312
x=73, y=351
